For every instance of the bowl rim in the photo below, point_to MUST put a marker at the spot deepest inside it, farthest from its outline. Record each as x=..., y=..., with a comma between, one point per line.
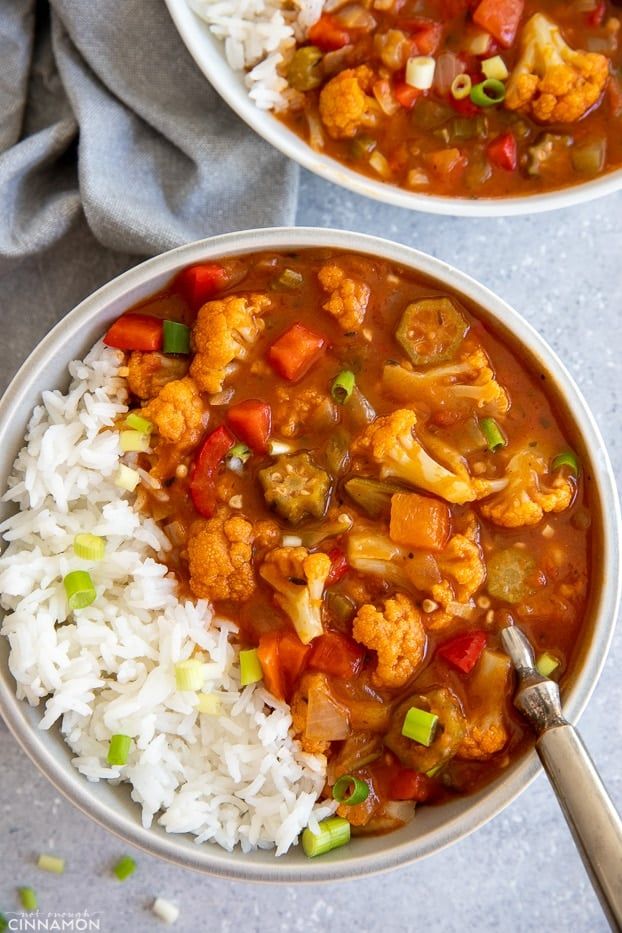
x=210, y=859
x=208, y=54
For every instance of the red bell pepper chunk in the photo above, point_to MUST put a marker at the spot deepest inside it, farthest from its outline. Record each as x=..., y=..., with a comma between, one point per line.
x=328, y=34
x=205, y=468
x=503, y=152
x=463, y=651
x=596, y=16
x=405, y=94
x=251, y=421
x=465, y=107
x=201, y=282
x=295, y=352
x=425, y=35
x=338, y=567
x=340, y=655
x=283, y=658
x=500, y=18
x=411, y=785
x=135, y=332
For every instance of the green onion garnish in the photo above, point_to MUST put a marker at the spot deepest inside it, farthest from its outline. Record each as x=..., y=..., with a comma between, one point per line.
x=250, y=667
x=334, y=832
x=546, y=664
x=568, y=459
x=289, y=278
x=240, y=452
x=127, y=478
x=342, y=386
x=51, y=863
x=119, y=749
x=492, y=434
x=133, y=442
x=350, y=790
x=28, y=898
x=209, y=704
x=420, y=726
x=125, y=867
x=189, y=675
x=488, y=93
x=175, y=338
x=138, y=423
x=80, y=589
x=89, y=547
x=4, y=923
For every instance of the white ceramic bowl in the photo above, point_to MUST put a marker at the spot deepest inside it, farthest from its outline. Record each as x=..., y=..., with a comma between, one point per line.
x=209, y=55
x=433, y=827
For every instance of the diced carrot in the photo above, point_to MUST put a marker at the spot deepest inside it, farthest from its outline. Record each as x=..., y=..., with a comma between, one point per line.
x=336, y=654
x=411, y=785
x=500, y=18
x=268, y=654
x=283, y=658
x=419, y=521
x=328, y=34
x=251, y=421
x=295, y=352
x=294, y=656
x=135, y=332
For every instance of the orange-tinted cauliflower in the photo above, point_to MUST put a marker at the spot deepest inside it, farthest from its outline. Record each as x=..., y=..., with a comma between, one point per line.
x=345, y=105
x=463, y=572
x=462, y=386
x=486, y=732
x=177, y=412
x=397, y=636
x=223, y=332
x=349, y=298
x=298, y=579
x=150, y=372
x=393, y=442
x=219, y=558
x=530, y=491
x=305, y=408
x=551, y=81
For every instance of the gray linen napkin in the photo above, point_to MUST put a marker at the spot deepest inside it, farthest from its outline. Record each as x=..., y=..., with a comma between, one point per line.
x=103, y=112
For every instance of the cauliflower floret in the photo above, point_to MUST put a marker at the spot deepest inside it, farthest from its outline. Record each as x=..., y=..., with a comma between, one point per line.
x=223, y=332
x=148, y=373
x=552, y=81
x=219, y=557
x=486, y=732
x=344, y=102
x=298, y=579
x=463, y=570
x=349, y=298
x=177, y=412
x=529, y=492
x=461, y=386
x=397, y=636
x=392, y=443
x=308, y=408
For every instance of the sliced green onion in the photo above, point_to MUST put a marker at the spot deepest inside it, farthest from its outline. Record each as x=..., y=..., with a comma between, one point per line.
x=209, y=704
x=290, y=279
x=420, y=72
x=190, y=674
x=495, y=68
x=567, y=459
x=125, y=867
x=334, y=833
x=250, y=667
x=138, y=423
x=175, y=338
x=127, y=478
x=488, y=93
x=343, y=386
x=240, y=452
x=461, y=87
x=165, y=910
x=546, y=664
x=133, y=442
x=89, y=547
x=79, y=589
x=28, y=898
x=51, y=863
x=493, y=434
x=4, y=923
x=119, y=749
x=350, y=790
x=420, y=726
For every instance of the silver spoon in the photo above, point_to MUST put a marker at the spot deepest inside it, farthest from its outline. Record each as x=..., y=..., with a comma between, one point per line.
x=590, y=814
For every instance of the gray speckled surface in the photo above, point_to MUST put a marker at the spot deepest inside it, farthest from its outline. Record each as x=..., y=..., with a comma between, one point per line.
x=563, y=271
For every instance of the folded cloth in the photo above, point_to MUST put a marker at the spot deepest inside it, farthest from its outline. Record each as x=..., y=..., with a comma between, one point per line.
x=104, y=115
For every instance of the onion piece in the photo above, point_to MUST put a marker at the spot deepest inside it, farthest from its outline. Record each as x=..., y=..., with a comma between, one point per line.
x=355, y=16
x=384, y=95
x=176, y=533
x=448, y=67
x=327, y=720
x=316, y=133
x=423, y=570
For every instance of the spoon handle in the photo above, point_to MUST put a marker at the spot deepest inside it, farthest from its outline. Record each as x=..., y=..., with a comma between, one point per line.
x=591, y=816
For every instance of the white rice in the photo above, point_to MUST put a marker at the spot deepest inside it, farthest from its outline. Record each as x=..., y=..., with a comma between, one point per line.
x=259, y=37
x=234, y=778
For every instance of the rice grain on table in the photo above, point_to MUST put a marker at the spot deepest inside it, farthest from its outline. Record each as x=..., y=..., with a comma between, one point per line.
x=236, y=778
